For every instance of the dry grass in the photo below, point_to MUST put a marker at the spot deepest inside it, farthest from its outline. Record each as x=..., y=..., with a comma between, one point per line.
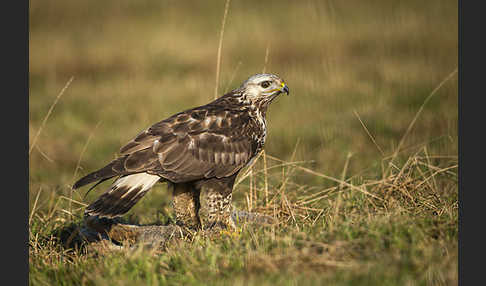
x=401, y=217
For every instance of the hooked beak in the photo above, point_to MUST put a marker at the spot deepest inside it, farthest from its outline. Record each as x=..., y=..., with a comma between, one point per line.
x=285, y=89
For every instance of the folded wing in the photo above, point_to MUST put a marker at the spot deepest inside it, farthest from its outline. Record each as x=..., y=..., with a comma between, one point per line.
x=190, y=145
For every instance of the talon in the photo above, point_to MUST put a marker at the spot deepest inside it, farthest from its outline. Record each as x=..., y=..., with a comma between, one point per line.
x=230, y=233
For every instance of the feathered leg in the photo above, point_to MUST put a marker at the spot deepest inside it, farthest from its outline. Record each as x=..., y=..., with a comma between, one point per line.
x=219, y=209
x=218, y=196
x=186, y=205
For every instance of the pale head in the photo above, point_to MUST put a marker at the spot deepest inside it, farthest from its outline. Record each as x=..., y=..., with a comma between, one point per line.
x=263, y=86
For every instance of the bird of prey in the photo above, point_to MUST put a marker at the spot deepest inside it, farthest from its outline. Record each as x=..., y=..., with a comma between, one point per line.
x=201, y=148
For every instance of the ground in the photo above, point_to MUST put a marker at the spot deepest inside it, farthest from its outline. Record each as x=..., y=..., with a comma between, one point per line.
x=360, y=164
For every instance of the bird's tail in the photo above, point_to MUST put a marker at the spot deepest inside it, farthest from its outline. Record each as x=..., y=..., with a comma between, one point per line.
x=125, y=192
x=115, y=168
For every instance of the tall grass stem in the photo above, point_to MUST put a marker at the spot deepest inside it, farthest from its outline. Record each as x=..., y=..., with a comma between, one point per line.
x=220, y=47
x=49, y=113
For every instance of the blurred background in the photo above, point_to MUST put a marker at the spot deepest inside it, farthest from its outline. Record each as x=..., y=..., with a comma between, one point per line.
x=137, y=62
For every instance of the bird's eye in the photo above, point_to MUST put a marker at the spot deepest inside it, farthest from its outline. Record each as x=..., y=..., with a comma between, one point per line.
x=265, y=84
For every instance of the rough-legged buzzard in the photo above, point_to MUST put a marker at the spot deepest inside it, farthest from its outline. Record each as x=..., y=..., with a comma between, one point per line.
x=203, y=147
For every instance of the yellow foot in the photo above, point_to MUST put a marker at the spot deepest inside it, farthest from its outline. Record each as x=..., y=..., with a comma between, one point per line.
x=233, y=233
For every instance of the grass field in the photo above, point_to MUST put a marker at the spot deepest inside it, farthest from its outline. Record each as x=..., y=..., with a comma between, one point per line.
x=360, y=164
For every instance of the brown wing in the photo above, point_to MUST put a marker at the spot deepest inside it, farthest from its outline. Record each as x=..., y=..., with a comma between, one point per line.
x=204, y=142
x=191, y=145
